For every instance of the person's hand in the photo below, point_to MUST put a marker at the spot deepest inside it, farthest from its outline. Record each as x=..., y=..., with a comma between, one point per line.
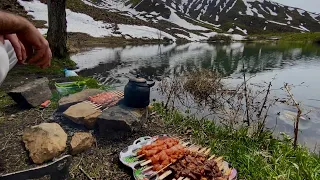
x=19, y=48
x=37, y=47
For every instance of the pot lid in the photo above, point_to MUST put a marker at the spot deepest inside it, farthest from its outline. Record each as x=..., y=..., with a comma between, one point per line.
x=138, y=80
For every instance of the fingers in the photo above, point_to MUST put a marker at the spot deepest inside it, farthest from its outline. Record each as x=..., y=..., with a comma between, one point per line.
x=37, y=57
x=42, y=58
x=23, y=52
x=16, y=45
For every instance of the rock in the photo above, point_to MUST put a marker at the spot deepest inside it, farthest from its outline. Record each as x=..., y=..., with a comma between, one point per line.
x=31, y=94
x=82, y=113
x=90, y=121
x=118, y=118
x=66, y=102
x=44, y=141
x=81, y=141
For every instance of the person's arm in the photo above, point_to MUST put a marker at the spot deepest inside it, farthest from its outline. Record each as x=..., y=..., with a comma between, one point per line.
x=13, y=24
x=36, y=45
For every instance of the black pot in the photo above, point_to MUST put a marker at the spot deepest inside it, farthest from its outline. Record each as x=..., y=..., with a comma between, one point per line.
x=137, y=93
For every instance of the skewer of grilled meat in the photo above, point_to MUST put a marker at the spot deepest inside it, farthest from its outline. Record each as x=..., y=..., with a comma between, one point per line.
x=195, y=166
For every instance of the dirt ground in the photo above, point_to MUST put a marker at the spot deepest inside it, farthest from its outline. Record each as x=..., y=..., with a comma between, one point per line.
x=101, y=162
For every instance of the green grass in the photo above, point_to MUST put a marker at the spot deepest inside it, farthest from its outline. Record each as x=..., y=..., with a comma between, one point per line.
x=296, y=37
x=56, y=68
x=255, y=158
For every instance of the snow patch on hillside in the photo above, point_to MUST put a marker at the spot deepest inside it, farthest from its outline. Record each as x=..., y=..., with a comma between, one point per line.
x=314, y=16
x=274, y=22
x=230, y=30
x=242, y=30
x=78, y=22
x=248, y=11
x=271, y=12
x=289, y=18
x=234, y=2
x=305, y=29
x=174, y=18
x=301, y=12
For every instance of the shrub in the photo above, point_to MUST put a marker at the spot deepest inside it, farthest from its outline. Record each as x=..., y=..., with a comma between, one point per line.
x=220, y=37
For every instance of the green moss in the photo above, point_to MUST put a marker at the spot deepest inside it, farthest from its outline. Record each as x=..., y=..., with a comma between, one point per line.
x=254, y=157
x=5, y=100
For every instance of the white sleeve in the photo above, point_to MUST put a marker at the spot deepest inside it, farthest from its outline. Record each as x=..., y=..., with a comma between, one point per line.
x=4, y=63
x=8, y=59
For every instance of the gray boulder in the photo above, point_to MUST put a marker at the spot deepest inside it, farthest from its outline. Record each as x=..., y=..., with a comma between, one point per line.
x=31, y=94
x=118, y=119
x=66, y=102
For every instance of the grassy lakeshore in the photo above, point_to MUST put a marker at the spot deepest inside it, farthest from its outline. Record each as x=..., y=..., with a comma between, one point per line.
x=254, y=157
x=290, y=37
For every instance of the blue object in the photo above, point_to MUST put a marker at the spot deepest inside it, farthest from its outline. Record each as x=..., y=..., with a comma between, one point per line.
x=69, y=73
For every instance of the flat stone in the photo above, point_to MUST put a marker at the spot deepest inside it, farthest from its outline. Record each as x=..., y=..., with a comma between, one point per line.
x=90, y=121
x=45, y=141
x=31, y=94
x=72, y=99
x=118, y=119
x=82, y=113
x=81, y=141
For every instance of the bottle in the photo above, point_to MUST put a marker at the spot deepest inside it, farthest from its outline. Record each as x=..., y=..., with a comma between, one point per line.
x=69, y=73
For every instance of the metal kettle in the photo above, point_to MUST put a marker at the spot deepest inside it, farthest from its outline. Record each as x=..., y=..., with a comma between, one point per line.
x=137, y=93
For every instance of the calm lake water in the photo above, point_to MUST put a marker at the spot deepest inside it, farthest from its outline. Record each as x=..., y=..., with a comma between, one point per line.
x=285, y=63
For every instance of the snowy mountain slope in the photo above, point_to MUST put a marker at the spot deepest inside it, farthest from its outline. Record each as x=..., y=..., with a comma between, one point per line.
x=236, y=16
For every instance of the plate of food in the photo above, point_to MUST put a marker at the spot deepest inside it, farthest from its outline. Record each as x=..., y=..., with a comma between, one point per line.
x=162, y=157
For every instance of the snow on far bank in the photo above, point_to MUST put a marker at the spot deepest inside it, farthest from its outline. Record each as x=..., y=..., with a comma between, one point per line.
x=143, y=32
x=192, y=37
x=79, y=22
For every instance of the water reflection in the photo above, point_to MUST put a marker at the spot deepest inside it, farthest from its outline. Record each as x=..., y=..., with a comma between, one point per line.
x=291, y=63
x=158, y=60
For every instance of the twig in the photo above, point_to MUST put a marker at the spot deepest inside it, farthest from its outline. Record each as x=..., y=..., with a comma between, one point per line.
x=85, y=173
x=5, y=144
x=296, y=126
x=246, y=95
x=265, y=99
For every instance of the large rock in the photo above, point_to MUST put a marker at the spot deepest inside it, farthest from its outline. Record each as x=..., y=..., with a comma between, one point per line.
x=81, y=141
x=66, y=102
x=118, y=119
x=44, y=141
x=31, y=94
x=83, y=113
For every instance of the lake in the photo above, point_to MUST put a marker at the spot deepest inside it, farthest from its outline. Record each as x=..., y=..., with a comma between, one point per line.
x=296, y=64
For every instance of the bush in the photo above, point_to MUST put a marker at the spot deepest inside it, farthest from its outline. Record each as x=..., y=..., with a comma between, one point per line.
x=220, y=37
